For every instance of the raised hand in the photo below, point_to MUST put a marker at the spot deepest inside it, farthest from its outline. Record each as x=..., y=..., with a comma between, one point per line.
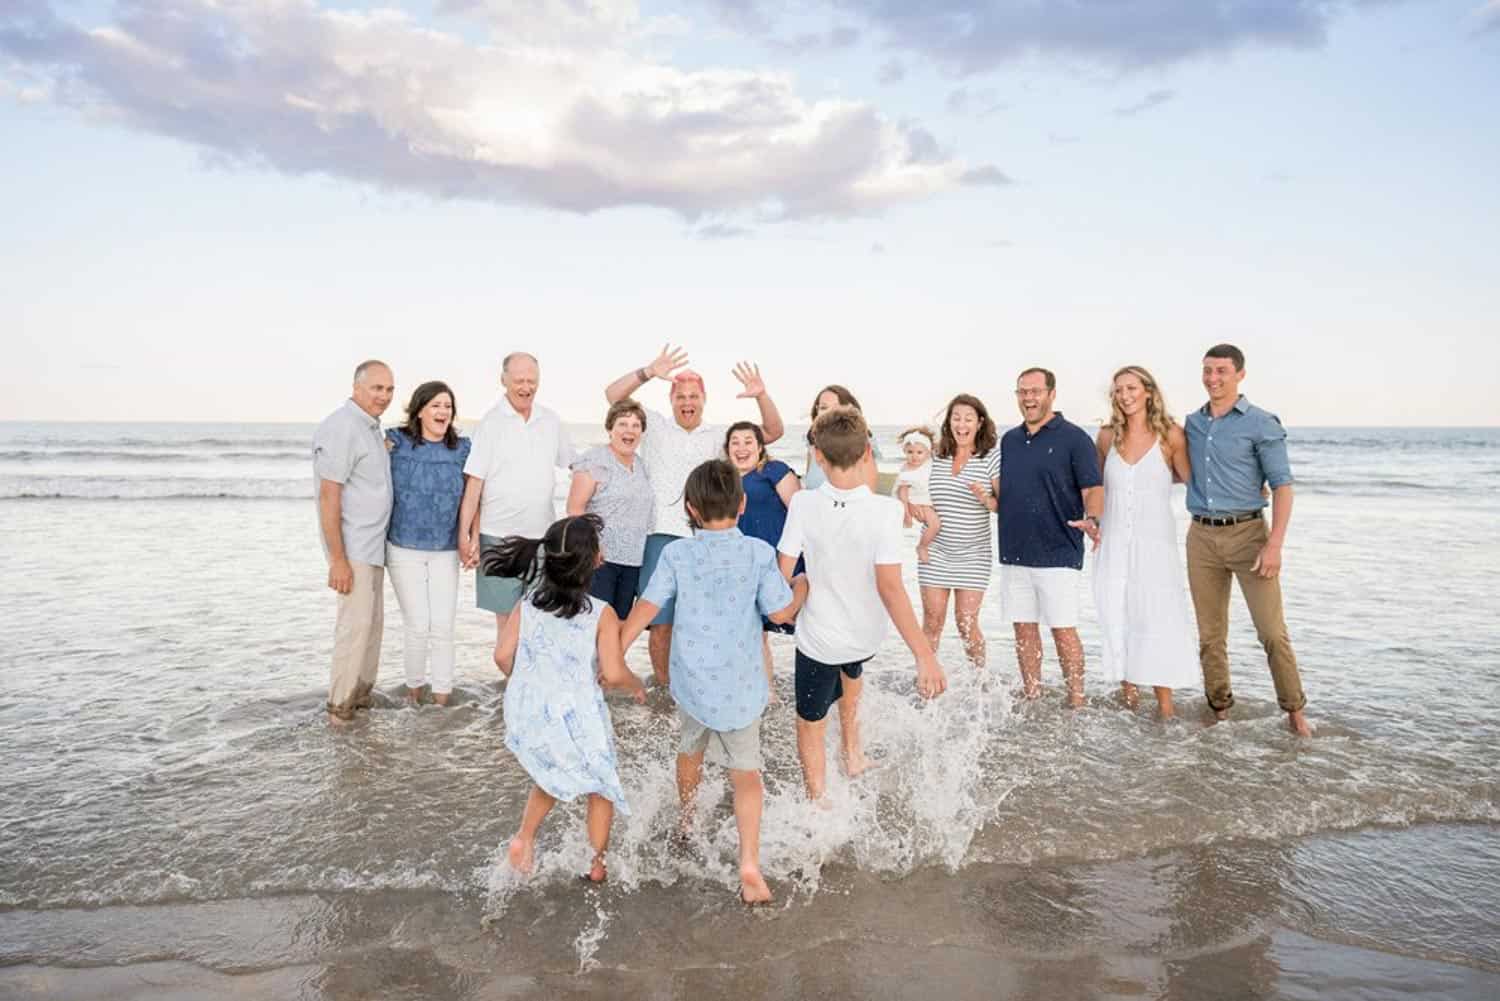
x=749, y=376
x=669, y=361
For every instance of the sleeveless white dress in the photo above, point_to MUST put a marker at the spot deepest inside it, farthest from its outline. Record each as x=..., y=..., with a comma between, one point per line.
x=1139, y=590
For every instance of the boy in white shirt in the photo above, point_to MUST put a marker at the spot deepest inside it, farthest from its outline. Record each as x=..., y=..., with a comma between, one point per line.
x=853, y=543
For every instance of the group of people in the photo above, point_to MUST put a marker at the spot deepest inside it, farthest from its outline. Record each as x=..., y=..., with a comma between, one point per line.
x=693, y=534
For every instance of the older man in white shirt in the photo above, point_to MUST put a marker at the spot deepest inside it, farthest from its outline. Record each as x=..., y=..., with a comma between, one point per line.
x=671, y=449
x=510, y=478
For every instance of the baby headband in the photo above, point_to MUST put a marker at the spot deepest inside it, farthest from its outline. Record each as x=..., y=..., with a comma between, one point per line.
x=916, y=438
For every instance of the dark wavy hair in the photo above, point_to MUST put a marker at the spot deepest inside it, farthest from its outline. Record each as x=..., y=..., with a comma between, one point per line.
x=560, y=564
x=760, y=439
x=420, y=397
x=984, y=439
x=846, y=399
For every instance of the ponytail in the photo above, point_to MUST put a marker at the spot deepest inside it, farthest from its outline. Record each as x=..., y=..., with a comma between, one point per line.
x=512, y=556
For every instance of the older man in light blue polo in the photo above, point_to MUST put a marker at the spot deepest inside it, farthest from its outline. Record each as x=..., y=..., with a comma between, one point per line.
x=352, y=474
x=511, y=477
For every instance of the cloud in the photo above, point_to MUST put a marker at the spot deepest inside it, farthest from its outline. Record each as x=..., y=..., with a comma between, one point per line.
x=891, y=71
x=1488, y=17
x=980, y=103
x=972, y=36
x=722, y=231
x=582, y=122
x=986, y=177
x=1155, y=99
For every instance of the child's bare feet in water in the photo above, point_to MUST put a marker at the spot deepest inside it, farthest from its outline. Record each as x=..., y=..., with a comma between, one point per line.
x=753, y=888
x=597, y=872
x=856, y=764
x=522, y=855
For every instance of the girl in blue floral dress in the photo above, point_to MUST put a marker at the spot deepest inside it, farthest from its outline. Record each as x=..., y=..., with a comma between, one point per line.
x=557, y=647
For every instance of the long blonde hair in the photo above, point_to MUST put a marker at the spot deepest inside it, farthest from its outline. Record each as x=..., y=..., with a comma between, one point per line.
x=1157, y=418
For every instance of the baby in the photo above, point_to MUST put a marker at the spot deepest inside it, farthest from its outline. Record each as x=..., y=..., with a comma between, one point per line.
x=911, y=486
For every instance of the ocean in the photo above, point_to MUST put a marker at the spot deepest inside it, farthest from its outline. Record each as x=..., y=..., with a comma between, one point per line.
x=180, y=822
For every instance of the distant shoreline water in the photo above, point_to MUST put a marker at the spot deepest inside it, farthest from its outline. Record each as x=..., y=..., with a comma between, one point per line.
x=134, y=461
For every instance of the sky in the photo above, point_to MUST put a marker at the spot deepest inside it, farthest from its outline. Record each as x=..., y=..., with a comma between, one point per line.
x=212, y=209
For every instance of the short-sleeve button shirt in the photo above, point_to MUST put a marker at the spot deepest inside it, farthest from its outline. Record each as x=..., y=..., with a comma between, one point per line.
x=724, y=583
x=1232, y=456
x=349, y=449
x=671, y=453
x=517, y=458
x=623, y=498
x=1042, y=479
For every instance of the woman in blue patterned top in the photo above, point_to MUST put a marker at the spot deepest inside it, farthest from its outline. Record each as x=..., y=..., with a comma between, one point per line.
x=769, y=486
x=427, y=480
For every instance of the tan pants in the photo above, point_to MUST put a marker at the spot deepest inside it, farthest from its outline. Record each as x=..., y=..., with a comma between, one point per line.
x=1214, y=556
x=356, y=641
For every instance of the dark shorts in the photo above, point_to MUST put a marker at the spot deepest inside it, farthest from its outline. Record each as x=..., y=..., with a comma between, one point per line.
x=655, y=543
x=616, y=584
x=785, y=628
x=820, y=685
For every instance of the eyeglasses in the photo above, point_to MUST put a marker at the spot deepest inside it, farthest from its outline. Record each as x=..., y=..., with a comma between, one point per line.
x=1032, y=393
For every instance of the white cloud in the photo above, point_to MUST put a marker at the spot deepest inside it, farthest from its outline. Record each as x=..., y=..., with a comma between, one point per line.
x=558, y=108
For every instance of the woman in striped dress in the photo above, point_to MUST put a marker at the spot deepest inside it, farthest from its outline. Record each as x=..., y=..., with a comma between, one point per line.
x=964, y=483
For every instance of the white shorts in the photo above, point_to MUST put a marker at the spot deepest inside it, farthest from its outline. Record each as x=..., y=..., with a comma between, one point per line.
x=1041, y=594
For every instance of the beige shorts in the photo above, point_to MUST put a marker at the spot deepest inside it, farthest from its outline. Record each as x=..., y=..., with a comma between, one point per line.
x=738, y=750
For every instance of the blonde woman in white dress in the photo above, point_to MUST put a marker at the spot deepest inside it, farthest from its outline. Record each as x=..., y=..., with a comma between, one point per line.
x=1139, y=585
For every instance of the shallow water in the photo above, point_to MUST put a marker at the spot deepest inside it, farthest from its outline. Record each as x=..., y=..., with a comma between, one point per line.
x=178, y=815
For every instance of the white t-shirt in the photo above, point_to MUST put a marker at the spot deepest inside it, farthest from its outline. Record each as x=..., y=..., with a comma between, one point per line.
x=518, y=460
x=670, y=454
x=916, y=479
x=844, y=534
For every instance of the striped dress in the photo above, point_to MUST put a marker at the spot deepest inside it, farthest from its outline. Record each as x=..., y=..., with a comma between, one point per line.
x=964, y=551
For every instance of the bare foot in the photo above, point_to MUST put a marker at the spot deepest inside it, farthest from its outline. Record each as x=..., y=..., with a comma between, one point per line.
x=522, y=855
x=597, y=872
x=753, y=888
x=1220, y=715
x=856, y=764
x=336, y=720
x=414, y=696
x=1298, y=722
x=1130, y=695
x=440, y=698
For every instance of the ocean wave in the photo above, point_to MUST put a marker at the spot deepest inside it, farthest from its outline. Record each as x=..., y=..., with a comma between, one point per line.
x=122, y=455
x=152, y=488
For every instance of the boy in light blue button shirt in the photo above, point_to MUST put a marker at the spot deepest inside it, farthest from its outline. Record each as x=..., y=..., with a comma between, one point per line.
x=723, y=582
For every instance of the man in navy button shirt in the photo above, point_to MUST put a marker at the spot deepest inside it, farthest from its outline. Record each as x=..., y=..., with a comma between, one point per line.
x=1236, y=448
x=1050, y=495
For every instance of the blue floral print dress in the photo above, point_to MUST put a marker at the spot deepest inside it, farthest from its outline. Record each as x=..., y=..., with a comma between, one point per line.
x=556, y=722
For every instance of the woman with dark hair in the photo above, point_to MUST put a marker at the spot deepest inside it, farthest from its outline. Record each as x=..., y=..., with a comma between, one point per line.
x=611, y=481
x=769, y=487
x=828, y=397
x=964, y=484
x=557, y=647
x=427, y=482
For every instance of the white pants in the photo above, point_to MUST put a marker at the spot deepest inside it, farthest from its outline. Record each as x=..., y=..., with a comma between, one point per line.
x=426, y=586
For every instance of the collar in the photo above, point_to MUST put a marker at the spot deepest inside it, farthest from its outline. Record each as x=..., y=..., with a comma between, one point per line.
x=1053, y=422
x=844, y=496
x=717, y=533
x=1242, y=405
x=374, y=422
x=505, y=408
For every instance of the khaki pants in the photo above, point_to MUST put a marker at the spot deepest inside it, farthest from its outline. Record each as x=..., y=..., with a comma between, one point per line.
x=1214, y=556
x=356, y=641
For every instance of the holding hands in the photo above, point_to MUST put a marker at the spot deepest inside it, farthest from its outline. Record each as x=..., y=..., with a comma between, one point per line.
x=1088, y=525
